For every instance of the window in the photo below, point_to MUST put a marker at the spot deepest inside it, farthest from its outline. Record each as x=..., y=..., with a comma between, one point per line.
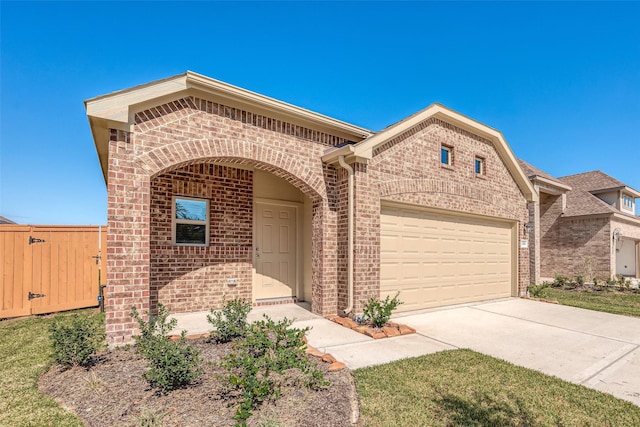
x=446, y=155
x=627, y=202
x=479, y=166
x=190, y=221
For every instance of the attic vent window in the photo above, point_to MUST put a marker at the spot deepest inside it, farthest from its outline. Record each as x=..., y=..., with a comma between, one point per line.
x=479, y=166
x=446, y=157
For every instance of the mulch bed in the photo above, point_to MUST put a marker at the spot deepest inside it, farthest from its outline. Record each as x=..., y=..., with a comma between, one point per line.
x=390, y=329
x=113, y=392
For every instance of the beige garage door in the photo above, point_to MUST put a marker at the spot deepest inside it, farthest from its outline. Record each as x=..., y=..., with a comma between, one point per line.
x=437, y=259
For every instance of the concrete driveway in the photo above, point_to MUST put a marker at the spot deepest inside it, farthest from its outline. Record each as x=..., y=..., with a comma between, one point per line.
x=597, y=350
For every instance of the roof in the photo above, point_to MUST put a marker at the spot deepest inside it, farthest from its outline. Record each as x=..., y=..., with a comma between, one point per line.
x=541, y=177
x=581, y=203
x=117, y=110
x=4, y=220
x=596, y=182
x=364, y=149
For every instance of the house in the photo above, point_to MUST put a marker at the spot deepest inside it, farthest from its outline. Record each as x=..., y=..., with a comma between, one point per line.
x=215, y=191
x=4, y=220
x=585, y=225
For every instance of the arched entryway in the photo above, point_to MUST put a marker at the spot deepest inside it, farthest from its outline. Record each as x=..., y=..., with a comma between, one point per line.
x=221, y=229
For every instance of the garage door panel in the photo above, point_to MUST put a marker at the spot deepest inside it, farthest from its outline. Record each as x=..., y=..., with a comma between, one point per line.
x=435, y=259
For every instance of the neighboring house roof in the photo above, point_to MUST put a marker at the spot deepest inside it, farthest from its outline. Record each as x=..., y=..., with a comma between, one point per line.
x=597, y=182
x=538, y=176
x=4, y=220
x=581, y=203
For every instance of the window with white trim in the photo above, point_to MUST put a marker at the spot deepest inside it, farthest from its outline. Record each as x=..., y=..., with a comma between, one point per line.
x=627, y=201
x=479, y=166
x=190, y=221
x=446, y=155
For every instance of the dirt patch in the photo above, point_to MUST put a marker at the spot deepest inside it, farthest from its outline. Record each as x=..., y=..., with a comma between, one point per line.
x=113, y=393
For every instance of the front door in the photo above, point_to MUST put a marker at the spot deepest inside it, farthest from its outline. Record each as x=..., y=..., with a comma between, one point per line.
x=274, y=251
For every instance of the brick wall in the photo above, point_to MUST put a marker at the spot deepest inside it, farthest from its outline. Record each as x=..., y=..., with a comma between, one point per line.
x=183, y=137
x=192, y=278
x=408, y=169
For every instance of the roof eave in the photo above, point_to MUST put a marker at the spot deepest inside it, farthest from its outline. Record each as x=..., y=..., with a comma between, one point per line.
x=116, y=110
x=364, y=149
x=550, y=183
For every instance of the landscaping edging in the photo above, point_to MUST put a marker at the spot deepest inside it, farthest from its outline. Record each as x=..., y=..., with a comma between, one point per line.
x=550, y=301
x=390, y=329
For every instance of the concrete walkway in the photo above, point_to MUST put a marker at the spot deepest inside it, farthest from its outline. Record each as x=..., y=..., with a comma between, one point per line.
x=598, y=350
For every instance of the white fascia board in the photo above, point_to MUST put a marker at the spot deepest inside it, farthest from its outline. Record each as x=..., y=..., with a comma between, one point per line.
x=114, y=107
x=234, y=93
x=549, y=183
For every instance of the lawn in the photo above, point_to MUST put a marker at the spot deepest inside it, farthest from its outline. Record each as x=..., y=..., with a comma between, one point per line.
x=457, y=387
x=609, y=301
x=24, y=355
x=462, y=387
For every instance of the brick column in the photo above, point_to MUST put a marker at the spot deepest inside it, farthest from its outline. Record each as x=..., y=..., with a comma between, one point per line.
x=127, y=240
x=534, y=243
x=366, y=235
x=324, y=259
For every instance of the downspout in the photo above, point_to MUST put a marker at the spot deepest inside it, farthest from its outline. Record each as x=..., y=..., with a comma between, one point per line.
x=349, y=169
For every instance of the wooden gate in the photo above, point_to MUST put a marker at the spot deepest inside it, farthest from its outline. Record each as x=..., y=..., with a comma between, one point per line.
x=45, y=269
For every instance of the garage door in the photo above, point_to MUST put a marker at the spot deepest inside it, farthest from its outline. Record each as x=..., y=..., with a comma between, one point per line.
x=437, y=259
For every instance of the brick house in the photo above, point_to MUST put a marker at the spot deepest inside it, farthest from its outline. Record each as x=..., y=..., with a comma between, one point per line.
x=585, y=224
x=216, y=191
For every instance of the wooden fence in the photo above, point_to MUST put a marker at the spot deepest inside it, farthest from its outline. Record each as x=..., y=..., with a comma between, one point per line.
x=45, y=269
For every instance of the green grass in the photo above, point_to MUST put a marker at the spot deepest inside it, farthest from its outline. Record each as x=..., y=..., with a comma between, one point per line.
x=462, y=387
x=608, y=301
x=25, y=353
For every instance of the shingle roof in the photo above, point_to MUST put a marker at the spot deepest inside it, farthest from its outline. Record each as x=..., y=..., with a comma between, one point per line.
x=591, y=181
x=533, y=172
x=581, y=202
x=4, y=220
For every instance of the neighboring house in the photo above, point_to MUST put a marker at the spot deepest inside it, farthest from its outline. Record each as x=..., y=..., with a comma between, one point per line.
x=4, y=220
x=585, y=224
x=215, y=191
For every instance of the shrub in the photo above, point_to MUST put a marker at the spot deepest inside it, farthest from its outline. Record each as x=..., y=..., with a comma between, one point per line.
x=262, y=363
x=230, y=322
x=559, y=281
x=379, y=311
x=172, y=364
x=537, y=291
x=580, y=280
x=76, y=338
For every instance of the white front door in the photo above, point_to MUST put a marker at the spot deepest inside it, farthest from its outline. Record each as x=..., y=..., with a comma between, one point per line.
x=274, y=251
x=626, y=257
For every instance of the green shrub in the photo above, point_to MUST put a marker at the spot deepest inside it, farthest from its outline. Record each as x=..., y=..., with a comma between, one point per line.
x=537, y=291
x=580, y=280
x=262, y=363
x=172, y=364
x=559, y=281
x=379, y=311
x=230, y=322
x=76, y=338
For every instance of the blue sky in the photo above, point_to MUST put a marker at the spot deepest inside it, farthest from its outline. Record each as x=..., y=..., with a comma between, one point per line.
x=560, y=80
